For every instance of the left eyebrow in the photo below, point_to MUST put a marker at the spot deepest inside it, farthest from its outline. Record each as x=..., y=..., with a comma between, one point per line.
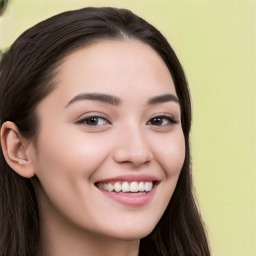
x=106, y=98
x=163, y=98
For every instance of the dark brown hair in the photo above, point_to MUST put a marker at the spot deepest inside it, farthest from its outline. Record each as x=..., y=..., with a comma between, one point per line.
x=27, y=72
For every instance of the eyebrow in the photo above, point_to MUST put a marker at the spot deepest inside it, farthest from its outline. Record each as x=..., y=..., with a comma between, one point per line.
x=162, y=98
x=116, y=101
x=106, y=98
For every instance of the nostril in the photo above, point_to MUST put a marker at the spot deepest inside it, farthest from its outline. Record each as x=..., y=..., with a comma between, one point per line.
x=132, y=156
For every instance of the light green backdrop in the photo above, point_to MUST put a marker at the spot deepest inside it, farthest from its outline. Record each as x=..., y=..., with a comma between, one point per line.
x=216, y=43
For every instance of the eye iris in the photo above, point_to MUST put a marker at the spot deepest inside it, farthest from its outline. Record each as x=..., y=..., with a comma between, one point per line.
x=157, y=121
x=92, y=121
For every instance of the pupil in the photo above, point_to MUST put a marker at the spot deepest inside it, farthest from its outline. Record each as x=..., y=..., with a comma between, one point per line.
x=93, y=120
x=157, y=120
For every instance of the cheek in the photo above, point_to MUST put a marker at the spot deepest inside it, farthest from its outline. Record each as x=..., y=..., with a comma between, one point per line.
x=66, y=162
x=171, y=154
x=70, y=148
x=65, y=165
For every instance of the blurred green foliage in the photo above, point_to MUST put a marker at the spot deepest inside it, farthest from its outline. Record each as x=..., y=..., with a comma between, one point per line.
x=3, y=6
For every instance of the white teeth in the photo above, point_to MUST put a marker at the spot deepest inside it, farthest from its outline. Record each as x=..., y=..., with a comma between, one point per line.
x=134, y=187
x=105, y=186
x=148, y=186
x=141, y=186
x=117, y=187
x=101, y=185
x=125, y=187
x=110, y=187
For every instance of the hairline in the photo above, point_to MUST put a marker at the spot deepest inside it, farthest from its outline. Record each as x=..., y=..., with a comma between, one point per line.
x=52, y=72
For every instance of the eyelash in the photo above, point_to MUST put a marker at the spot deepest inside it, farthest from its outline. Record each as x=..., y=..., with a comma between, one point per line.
x=86, y=119
x=160, y=118
x=170, y=119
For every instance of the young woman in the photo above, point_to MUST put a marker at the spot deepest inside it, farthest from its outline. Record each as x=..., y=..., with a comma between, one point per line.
x=95, y=121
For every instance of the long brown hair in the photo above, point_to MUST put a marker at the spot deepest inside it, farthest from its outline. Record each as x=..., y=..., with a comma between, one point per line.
x=27, y=72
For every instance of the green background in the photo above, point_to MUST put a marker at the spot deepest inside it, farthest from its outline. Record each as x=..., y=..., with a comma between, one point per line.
x=216, y=43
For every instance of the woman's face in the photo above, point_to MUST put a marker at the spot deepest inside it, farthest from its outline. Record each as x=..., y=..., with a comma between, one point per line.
x=110, y=146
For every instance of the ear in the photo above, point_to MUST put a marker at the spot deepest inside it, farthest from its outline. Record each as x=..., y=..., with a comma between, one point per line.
x=17, y=150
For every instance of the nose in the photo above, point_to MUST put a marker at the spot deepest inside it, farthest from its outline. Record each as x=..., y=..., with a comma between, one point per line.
x=132, y=147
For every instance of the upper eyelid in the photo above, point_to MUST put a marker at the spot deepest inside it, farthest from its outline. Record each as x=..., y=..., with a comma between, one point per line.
x=168, y=117
x=93, y=114
x=108, y=119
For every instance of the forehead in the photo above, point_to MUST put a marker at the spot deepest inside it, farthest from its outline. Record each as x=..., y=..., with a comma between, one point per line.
x=123, y=68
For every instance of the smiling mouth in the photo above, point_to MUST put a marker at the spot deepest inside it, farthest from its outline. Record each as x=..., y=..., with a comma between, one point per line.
x=129, y=190
x=127, y=187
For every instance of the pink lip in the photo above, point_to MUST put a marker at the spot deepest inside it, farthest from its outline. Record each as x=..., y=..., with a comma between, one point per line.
x=130, y=177
x=131, y=200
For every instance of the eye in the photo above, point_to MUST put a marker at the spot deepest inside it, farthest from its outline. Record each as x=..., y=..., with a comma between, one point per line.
x=162, y=121
x=94, y=121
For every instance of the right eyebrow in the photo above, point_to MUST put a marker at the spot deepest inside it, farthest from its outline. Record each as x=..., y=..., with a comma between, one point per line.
x=163, y=98
x=106, y=98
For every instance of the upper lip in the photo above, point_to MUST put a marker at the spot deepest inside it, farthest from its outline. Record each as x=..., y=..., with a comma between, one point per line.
x=130, y=177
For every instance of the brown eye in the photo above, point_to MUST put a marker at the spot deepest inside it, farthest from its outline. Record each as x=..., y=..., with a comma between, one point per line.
x=162, y=121
x=93, y=121
x=157, y=121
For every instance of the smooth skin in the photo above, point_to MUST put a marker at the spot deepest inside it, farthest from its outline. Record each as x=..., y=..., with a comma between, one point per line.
x=82, y=141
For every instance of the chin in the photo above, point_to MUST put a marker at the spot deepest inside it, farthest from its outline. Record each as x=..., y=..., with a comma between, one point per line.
x=132, y=233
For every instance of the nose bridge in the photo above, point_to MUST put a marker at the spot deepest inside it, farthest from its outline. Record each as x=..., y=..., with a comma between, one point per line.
x=132, y=145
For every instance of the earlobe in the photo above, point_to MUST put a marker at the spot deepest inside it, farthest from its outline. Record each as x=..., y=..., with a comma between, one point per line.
x=14, y=147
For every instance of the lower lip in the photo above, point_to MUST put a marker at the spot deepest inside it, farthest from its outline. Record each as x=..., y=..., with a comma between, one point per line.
x=131, y=200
